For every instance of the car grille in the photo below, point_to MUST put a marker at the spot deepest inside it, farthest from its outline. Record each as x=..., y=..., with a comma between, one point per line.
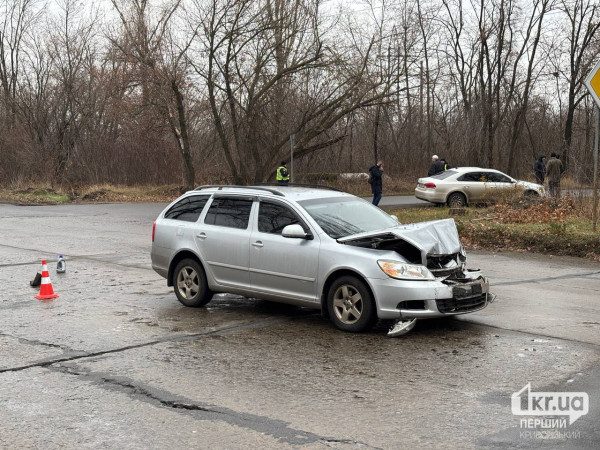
x=465, y=299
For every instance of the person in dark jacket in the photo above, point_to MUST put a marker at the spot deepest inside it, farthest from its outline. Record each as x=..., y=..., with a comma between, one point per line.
x=539, y=167
x=554, y=170
x=377, y=184
x=436, y=166
x=445, y=164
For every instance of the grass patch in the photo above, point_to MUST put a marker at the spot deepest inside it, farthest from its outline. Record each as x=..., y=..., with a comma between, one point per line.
x=35, y=196
x=111, y=193
x=540, y=238
x=90, y=194
x=106, y=193
x=545, y=226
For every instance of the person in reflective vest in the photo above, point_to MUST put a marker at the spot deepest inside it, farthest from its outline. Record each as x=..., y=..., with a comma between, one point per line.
x=283, y=176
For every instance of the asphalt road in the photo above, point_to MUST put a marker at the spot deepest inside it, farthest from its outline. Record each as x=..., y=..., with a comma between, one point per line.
x=117, y=362
x=400, y=201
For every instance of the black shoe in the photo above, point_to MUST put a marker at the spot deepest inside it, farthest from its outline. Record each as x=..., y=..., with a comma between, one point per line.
x=37, y=280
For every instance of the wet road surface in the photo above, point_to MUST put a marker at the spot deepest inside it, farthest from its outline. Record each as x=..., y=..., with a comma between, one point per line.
x=117, y=362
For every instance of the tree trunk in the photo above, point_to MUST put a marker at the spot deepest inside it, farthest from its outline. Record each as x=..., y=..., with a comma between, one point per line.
x=183, y=138
x=568, y=136
x=376, y=133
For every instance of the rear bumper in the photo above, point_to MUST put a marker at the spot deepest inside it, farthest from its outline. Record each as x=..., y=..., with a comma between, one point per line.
x=159, y=257
x=161, y=271
x=398, y=299
x=430, y=195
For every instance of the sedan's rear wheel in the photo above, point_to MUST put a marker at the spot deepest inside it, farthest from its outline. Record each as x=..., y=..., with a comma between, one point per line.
x=350, y=305
x=457, y=200
x=189, y=283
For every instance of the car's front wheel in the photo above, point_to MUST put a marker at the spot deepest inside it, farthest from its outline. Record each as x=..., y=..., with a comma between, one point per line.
x=531, y=194
x=350, y=305
x=189, y=283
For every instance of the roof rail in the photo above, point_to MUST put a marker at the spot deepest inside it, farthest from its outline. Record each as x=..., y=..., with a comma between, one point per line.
x=221, y=186
x=317, y=186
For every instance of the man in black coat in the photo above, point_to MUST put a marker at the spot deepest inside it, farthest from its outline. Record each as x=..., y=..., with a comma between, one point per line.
x=377, y=183
x=436, y=166
x=539, y=167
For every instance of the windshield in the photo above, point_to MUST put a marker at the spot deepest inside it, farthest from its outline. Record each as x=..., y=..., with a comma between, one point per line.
x=341, y=217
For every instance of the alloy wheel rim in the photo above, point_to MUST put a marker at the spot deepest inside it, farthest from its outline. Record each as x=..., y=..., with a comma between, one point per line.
x=457, y=201
x=187, y=283
x=347, y=304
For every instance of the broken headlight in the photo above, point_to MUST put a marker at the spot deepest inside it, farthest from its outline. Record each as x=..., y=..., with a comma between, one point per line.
x=403, y=271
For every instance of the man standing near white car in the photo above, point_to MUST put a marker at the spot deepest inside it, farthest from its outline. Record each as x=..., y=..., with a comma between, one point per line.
x=554, y=169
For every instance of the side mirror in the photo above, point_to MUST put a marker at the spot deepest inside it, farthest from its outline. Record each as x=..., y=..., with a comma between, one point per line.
x=395, y=218
x=295, y=231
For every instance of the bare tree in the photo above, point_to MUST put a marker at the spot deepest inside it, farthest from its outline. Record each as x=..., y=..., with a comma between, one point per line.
x=148, y=42
x=16, y=18
x=584, y=23
x=269, y=75
x=531, y=40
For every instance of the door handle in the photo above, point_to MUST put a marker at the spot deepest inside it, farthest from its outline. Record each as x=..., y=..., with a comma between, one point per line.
x=257, y=244
x=201, y=235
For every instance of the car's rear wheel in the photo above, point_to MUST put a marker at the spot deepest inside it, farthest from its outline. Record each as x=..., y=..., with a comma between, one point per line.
x=457, y=200
x=189, y=283
x=350, y=305
x=531, y=194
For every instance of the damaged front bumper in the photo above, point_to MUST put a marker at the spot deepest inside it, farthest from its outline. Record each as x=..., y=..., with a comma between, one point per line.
x=403, y=300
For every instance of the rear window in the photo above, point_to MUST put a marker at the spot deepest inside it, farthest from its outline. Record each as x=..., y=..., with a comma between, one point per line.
x=446, y=174
x=229, y=212
x=188, y=208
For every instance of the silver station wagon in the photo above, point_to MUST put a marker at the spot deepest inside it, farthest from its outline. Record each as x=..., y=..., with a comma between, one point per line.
x=314, y=247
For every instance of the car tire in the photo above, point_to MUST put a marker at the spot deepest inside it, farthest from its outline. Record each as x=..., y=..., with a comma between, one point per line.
x=457, y=200
x=189, y=284
x=531, y=194
x=350, y=305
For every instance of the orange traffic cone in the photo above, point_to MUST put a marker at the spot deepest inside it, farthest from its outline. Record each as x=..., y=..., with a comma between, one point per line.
x=46, y=291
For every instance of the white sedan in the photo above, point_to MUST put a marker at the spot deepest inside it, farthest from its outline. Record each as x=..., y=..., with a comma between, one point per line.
x=461, y=186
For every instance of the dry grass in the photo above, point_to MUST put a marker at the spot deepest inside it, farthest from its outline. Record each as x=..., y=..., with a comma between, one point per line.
x=555, y=227
x=96, y=193
x=106, y=193
x=110, y=193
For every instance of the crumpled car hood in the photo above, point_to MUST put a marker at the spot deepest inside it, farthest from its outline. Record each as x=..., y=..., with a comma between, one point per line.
x=436, y=237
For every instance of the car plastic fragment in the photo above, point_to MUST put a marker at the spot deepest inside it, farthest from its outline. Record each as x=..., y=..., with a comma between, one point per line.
x=402, y=327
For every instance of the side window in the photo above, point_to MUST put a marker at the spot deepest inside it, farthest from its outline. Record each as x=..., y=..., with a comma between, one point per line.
x=229, y=212
x=273, y=218
x=472, y=176
x=187, y=209
x=486, y=176
x=499, y=178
